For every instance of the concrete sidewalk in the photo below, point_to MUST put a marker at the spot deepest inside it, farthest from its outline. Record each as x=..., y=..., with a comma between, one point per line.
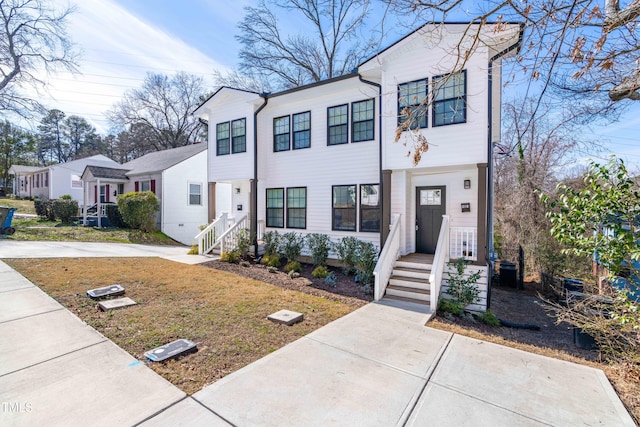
x=377, y=366
x=44, y=249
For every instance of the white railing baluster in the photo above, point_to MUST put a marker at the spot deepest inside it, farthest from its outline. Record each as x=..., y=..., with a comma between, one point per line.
x=207, y=238
x=463, y=243
x=388, y=256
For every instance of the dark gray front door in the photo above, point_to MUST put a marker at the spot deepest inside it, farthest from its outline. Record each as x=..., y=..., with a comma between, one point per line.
x=430, y=206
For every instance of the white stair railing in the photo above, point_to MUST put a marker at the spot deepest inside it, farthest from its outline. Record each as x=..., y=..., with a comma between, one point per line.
x=387, y=259
x=441, y=256
x=229, y=239
x=208, y=238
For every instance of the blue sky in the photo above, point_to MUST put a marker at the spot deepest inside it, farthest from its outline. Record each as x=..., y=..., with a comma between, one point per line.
x=122, y=40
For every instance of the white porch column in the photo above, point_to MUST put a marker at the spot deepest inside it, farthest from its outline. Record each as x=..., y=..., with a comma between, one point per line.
x=99, y=205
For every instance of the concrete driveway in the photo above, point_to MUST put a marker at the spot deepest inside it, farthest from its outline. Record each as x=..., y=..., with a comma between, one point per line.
x=377, y=366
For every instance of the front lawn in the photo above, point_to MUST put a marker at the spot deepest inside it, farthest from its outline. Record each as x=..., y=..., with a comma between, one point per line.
x=23, y=206
x=225, y=314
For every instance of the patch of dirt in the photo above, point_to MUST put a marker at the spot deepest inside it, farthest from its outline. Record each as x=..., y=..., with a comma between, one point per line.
x=346, y=290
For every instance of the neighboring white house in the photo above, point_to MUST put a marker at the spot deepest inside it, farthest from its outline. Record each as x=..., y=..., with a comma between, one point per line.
x=323, y=158
x=53, y=181
x=177, y=176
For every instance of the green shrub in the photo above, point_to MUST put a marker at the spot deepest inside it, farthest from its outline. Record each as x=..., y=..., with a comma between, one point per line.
x=113, y=214
x=293, y=266
x=271, y=242
x=366, y=259
x=66, y=197
x=243, y=242
x=346, y=249
x=138, y=210
x=463, y=290
x=65, y=209
x=44, y=209
x=449, y=306
x=231, y=257
x=489, y=318
x=291, y=245
x=320, y=272
x=331, y=279
x=271, y=260
x=245, y=263
x=193, y=250
x=319, y=245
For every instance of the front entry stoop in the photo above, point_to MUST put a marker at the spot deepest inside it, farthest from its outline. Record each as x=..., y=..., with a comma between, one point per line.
x=409, y=281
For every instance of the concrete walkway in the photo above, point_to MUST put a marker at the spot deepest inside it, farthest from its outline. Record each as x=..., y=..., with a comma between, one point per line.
x=376, y=366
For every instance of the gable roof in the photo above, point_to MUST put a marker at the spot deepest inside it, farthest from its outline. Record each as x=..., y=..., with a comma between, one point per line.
x=24, y=169
x=106, y=172
x=159, y=161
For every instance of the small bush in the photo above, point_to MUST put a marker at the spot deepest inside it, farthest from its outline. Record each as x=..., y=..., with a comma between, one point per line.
x=366, y=259
x=449, y=306
x=293, y=266
x=138, y=210
x=231, y=257
x=243, y=242
x=271, y=241
x=65, y=209
x=44, y=209
x=113, y=214
x=271, y=260
x=331, y=279
x=319, y=245
x=463, y=290
x=294, y=274
x=66, y=197
x=291, y=245
x=272, y=269
x=193, y=250
x=346, y=249
x=245, y=263
x=320, y=272
x=489, y=318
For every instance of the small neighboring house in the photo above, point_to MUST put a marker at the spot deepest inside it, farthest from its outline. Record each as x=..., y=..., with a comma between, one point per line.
x=178, y=177
x=51, y=182
x=323, y=158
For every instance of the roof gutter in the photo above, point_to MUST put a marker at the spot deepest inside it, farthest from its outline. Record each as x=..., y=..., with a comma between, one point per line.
x=489, y=233
x=254, y=182
x=383, y=230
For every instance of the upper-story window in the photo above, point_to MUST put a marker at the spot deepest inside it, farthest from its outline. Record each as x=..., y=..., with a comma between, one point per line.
x=239, y=136
x=412, y=99
x=222, y=138
x=362, y=115
x=281, y=133
x=450, y=99
x=338, y=125
x=231, y=137
x=302, y=130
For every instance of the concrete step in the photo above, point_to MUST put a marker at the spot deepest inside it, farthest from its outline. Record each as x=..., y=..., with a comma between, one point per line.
x=406, y=299
x=416, y=273
x=405, y=292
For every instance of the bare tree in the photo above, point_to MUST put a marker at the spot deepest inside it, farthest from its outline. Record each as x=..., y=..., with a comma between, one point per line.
x=33, y=42
x=162, y=108
x=329, y=45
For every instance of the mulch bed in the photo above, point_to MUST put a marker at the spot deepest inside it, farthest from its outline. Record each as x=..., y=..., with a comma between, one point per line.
x=346, y=290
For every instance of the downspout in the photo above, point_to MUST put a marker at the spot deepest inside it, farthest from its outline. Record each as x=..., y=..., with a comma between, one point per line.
x=384, y=227
x=489, y=231
x=254, y=184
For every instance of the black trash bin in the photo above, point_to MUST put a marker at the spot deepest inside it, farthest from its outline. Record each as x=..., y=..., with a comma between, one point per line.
x=508, y=275
x=583, y=340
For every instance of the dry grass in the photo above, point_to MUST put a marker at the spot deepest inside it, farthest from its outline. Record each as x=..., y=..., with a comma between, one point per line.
x=225, y=314
x=23, y=206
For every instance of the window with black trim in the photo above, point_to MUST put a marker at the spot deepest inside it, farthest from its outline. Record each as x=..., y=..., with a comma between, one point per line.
x=370, y=207
x=344, y=207
x=362, y=115
x=412, y=98
x=222, y=138
x=239, y=136
x=275, y=207
x=281, y=133
x=297, y=207
x=450, y=99
x=302, y=130
x=338, y=125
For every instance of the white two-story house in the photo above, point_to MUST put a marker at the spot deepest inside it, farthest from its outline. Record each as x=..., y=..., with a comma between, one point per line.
x=330, y=158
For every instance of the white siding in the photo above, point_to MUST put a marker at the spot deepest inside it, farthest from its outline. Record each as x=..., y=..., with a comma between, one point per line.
x=180, y=220
x=231, y=105
x=319, y=167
